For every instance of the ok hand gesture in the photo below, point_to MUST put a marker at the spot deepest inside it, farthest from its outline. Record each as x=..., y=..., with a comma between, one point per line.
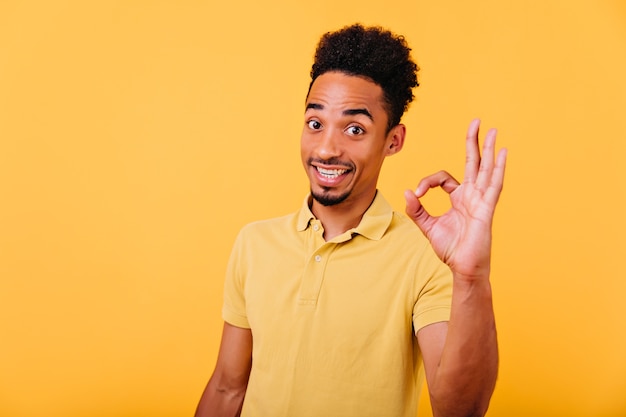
x=462, y=236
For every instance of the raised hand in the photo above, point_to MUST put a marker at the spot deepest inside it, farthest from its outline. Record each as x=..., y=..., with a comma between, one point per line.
x=462, y=236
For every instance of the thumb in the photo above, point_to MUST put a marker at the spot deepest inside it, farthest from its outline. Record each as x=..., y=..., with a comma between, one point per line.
x=417, y=212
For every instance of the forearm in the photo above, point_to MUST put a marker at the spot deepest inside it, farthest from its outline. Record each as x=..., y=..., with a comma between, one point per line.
x=220, y=401
x=466, y=375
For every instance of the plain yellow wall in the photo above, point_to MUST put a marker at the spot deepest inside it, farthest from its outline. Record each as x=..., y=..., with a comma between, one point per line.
x=137, y=137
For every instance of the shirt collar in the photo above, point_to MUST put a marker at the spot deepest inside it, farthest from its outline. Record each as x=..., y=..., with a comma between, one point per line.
x=373, y=225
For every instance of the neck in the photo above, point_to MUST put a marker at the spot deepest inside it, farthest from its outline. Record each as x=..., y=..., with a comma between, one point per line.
x=339, y=218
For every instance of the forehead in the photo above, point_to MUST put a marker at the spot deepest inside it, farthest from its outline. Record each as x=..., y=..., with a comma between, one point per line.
x=336, y=89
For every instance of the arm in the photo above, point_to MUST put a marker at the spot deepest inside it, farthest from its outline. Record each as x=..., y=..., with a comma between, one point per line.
x=223, y=395
x=461, y=356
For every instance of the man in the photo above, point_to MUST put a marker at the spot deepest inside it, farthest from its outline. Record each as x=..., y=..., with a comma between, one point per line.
x=338, y=309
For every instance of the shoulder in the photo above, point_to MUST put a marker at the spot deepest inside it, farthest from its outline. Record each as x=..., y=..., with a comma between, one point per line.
x=409, y=245
x=282, y=223
x=262, y=242
x=404, y=231
x=267, y=231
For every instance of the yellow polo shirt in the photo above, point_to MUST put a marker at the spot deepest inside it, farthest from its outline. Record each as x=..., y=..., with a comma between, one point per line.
x=333, y=323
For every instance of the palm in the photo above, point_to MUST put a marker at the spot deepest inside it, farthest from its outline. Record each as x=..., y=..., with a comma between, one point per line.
x=462, y=236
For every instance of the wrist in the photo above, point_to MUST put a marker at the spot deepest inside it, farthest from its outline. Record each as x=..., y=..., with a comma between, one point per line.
x=476, y=274
x=471, y=283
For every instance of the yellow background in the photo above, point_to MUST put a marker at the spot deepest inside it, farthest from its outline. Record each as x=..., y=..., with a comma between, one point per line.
x=137, y=137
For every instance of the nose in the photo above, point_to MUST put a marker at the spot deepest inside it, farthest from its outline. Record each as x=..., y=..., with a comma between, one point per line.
x=329, y=145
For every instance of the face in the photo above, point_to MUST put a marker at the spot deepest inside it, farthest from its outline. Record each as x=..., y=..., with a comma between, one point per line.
x=345, y=138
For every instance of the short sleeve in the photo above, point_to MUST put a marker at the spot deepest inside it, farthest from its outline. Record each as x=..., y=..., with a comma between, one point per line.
x=234, y=308
x=433, y=292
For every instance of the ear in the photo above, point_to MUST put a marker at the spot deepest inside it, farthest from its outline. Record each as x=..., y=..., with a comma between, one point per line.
x=395, y=139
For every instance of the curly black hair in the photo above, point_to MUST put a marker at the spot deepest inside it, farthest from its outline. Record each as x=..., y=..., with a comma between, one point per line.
x=374, y=53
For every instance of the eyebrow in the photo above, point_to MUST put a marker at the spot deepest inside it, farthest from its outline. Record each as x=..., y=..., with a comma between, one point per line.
x=314, y=106
x=352, y=112
x=347, y=112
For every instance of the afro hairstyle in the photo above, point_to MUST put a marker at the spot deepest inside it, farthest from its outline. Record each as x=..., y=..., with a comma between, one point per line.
x=376, y=54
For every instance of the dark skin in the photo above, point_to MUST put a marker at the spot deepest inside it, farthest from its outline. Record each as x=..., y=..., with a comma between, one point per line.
x=342, y=152
x=462, y=378
x=223, y=395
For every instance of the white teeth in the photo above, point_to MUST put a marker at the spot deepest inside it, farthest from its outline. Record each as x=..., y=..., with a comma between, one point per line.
x=330, y=173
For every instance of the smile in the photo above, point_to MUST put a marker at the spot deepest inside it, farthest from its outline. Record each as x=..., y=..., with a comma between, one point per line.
x=331, y=173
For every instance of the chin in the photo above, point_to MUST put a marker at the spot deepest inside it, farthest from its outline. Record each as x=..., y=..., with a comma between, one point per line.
x=327, y=199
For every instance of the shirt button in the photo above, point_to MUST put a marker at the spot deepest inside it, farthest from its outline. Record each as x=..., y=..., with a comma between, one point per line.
x=318, y=258
x=316, y=227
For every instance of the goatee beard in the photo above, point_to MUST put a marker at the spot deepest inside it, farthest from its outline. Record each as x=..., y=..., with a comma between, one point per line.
x=326, y=199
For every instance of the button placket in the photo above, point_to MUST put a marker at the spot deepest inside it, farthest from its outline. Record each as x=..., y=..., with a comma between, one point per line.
x=314, y=272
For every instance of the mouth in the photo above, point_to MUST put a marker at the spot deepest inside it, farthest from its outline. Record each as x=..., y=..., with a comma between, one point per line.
x=330, y=173
x=330, y=177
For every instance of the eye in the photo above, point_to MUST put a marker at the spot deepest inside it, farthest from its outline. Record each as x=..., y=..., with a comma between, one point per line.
x=355, y=130
x=314, y=124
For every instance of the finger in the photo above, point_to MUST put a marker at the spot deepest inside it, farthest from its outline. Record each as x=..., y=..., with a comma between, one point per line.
x=418, y=213
x=497, y=178
x=486, y=161
x=440, y=179
x=472, y=155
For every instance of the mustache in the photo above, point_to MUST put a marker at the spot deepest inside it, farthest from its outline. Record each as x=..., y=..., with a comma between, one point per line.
x=331, y=161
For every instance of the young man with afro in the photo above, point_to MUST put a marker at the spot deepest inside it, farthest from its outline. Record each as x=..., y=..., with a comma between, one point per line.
x=340, y=308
